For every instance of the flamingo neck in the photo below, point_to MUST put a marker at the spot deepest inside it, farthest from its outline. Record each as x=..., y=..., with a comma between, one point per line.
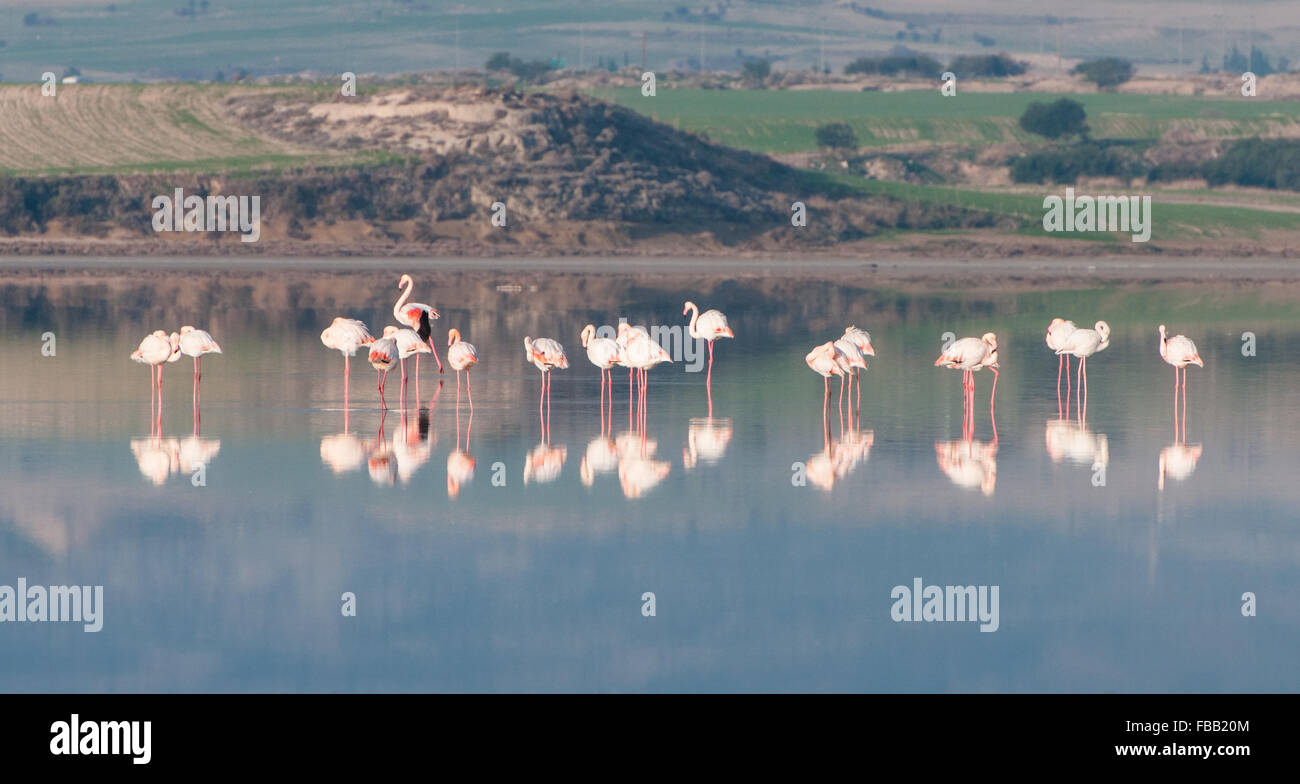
x=406, y=294
x=695, y=315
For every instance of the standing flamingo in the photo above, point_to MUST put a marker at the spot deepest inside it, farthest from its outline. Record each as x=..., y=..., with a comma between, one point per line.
x=383, y=355
x=969, y=355
x=862, y=339
x=156, y=348
x=195, y=343
x=825, y=361
x=604, y=353
x=408, y=344
x=1058, y=332
x=642, y=354
x=853, y=361
x=418, y=317
x=1180, y=352
x=346, y=335
x=546, y=355
x=461, y=356
x=1083, y=343
x=709, y=325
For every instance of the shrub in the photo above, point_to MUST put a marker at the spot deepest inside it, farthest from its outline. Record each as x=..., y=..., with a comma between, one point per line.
x=837, y=135
x=1062, y=117
x=1105, y=72
x=987, y=65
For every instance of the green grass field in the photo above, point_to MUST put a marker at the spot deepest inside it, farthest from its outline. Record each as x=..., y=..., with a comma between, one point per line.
x=785, y=121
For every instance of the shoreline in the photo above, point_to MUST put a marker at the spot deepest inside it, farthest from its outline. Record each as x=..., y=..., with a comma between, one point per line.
x=1027, y=269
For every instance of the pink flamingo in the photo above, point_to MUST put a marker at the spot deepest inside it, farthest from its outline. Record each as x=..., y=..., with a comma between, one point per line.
x=1083, y=343
x=862, y=340
x=195, y=343
x=461, y=356
x=643, y=354
x=546, y=355
x=346, y=335
x=156, y=348
x=383, y=355
x=1180, y=352
x=605, y=354
x=969, y=355
x=418, y=317
x=709, y=325
x=825, y=361
x=1058, y=332
x=408, y=344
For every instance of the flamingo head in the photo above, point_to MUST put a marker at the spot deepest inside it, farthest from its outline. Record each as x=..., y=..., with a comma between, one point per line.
x=185, y=330
x=175, y=340
x=405, y=281
x=588, y=332
x=528, y=345
x=453, y=336
x=1163, y=336
x=158, y=333
x=390, y=330
x=1103, y=329
x=990, y=340
x=687, y=307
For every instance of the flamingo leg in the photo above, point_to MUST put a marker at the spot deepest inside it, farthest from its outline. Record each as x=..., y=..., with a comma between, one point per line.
x=1184, y=404
x=994, y=393
x=1060, y=363
x=709, y=377
x=435, y=353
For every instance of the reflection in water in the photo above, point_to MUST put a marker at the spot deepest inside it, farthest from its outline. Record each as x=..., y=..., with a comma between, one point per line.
x=1069, y=440
x=706, y=441
x=969, y=464
x=380, y=459
x=488, y=600
x=1177, y=462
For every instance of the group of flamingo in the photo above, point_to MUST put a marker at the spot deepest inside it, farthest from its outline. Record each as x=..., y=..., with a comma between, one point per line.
x=398, y=344
x=159, y=347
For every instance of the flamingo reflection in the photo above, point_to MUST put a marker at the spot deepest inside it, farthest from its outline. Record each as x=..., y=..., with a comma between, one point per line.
x=379, y=457
x=706, y=440
x=969, y=464
x=1177, y=462
x=460, y=463
x=1073, y=441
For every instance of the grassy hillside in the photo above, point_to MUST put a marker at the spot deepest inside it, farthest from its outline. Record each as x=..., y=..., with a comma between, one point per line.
x=783, y=121
x=123, y=128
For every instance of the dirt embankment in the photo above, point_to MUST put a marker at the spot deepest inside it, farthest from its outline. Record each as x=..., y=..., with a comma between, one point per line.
x=564, y=173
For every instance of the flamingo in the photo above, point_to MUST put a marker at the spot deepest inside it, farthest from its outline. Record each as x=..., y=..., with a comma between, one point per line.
x=346, y=335
x=1180, y=352
x=862, y=339
x=604, y=353
x=825, y=361
x=1083, y=343
x=709, y=325
x=969, y=355
x=852, y=357
x=156, y=348
x=1058, y=332
x=195, y=343
x=546, y=355
x=408, y=344
x=383, y=355
x=418, y=317
x=461, y=356
x=626, y=333
x=643, y=354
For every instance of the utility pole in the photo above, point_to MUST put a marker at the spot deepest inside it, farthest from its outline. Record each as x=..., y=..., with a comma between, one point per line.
x=642, y=51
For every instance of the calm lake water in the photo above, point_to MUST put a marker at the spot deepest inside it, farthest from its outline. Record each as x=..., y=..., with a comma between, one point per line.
x=485, y=558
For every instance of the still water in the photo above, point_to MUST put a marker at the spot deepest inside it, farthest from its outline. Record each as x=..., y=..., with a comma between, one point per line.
x=483, y=557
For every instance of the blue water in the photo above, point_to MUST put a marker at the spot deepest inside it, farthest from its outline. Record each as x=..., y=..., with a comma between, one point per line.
x=534, y=581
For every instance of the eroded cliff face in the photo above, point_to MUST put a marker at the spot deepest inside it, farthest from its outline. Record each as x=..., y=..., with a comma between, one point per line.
x=564, y=173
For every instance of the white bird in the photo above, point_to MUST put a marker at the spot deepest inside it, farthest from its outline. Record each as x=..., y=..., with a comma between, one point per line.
x=969, y=355
x=643, y=354
x=709, y=325
x=409, y=345
x=346, y=335
x=604, y=353
x=195, y=343
x=1180, y=352
x=383, y=355
x=546, y=355
x=156, y=348
x=461, y=356
x=1058, y=332
x=852, y=361
x=1083, y=343
x=418, y=317
x=826, y=360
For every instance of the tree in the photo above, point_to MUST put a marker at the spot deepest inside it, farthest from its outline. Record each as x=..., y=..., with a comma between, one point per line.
x=756, y=71
x=1061, y=117
x=1106, y=71
x=994, y=65
x=500, y=61
x=837, y=135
